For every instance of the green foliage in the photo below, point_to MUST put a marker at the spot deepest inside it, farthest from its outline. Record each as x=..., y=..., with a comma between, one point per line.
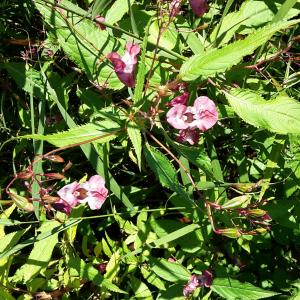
x=280, y=115
x=219, y=60
x=176, y=210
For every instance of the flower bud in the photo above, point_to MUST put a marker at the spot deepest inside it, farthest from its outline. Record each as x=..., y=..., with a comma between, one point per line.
x=232, y=233
x=22, y=202
x=236, y=202
x=54, y=158
x=257, y=213
x=54, y=175
x=24, y=175
x=261, y=230
x=50, y=199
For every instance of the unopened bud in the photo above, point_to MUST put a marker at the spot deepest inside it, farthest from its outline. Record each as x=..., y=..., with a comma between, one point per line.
x=55, y=158
x=257, y=213
x=247, y=187
x=22, y=202
x=261, y=230
x=24, y=175
x=54, y=175
x=50, y=199
x=236, y=202
x=67, y=166
x=232, y=233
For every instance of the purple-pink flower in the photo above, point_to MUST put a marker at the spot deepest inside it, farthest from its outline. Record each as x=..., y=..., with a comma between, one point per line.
x=194, y=282
x=202, y=115
x=100, y=19
x=92, y=192
x=125, y=66
x=199, y=7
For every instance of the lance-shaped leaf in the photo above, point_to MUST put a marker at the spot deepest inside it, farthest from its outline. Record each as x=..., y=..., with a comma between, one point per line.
x=281, y=115
x=232, y=289
x=80, y=134
x=134, y=134
x=219, y=60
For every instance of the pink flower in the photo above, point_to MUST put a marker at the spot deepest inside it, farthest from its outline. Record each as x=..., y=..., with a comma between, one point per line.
x=199, y=7
x=190, y=287
x=171, y=259
x=69, y=194
x=188, y=135
x=182, y=99
x=179, y=116
x=125, y=66
x=63, y=206
x=93, y=192
x=100, y=19
x=204, y=113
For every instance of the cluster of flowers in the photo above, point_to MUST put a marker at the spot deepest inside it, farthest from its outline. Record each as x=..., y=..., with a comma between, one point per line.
x=92, y=192
x=202, y=115
x=197, y=281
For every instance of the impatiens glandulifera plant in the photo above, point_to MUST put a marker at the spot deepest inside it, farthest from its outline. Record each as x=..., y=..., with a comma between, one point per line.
x=205, y=202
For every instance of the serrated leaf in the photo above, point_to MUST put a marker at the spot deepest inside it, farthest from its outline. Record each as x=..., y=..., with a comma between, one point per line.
x=162, y=168
x=219, y=60
x=39, y=256
x=83, y=42
x=134, y=134
x=140, y=289
x=152, y=278
x=281, y=115
x=232, y=289
x=173, y=272
x=79, y=134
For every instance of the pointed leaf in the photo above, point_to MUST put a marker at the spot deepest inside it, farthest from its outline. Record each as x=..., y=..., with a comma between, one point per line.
x=281, y=115
x=219, y=60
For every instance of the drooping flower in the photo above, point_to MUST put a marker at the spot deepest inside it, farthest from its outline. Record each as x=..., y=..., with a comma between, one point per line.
x=179, y=116
x=69, y=194
x=199, y=7
x=93, y=192
x=125, y=66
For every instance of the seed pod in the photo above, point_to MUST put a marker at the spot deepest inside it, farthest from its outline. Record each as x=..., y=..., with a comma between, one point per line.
x=22, y=202
x=232, y=233
x=54, y=158
x=240, y=201
x=67, y=167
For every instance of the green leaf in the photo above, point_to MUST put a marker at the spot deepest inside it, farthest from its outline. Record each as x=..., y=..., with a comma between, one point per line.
x=233, y=289
x=9, y=240
x=173, y=272
x=219, y=60
x=84, y=43
x=79, y=134
x=40, y=255
x=41, y=236
x=140, y=289
x=252, y=13
x=117, y=11
x=162, y=168
x=88, y=272
x=281, y=115
x=134, y=134
x=152, y=278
